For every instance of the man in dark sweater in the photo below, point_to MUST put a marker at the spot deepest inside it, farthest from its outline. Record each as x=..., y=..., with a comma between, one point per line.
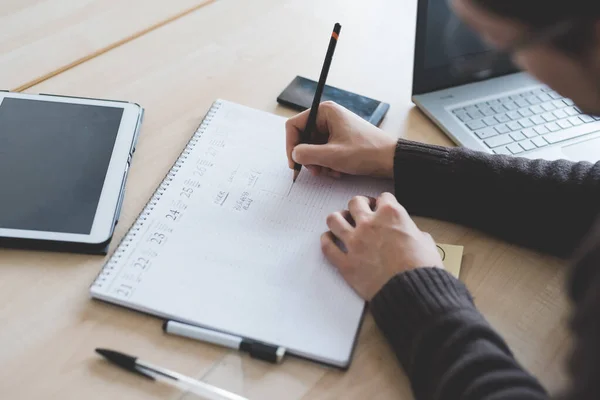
x=445, y=345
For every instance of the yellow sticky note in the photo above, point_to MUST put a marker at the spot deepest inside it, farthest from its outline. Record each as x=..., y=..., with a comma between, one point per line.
x=452, y=257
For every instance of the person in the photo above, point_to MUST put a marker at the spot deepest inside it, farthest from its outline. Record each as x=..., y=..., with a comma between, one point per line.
x=445, y=345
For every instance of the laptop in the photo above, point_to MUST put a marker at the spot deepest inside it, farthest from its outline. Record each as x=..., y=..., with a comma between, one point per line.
x=498, y=111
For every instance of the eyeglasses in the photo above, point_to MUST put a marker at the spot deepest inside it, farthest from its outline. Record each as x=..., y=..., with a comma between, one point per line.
x=482, y=65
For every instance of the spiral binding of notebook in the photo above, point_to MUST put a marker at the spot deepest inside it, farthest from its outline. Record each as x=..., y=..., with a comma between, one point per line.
x=109, y=268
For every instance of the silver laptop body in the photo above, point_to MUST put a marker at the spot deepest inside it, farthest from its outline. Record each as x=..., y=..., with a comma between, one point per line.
x=506, y=112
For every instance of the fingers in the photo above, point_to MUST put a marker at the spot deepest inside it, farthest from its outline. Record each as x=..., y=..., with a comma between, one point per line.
x=331, y=250
x=293, y=128
x=314, y=154
x=339, y=226
x=334, y=174
x=323, y=171
x=314, y=169
x=372, y=202
x=385, y=198
x=388, y=208
x=387, y=203
x=328, y=111
x=348, y=217
x=360, y=208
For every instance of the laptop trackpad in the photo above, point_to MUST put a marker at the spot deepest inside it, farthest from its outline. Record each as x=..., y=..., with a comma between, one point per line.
x=588, y=150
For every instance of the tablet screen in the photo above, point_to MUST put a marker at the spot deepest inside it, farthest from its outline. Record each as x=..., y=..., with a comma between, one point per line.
x=53, y=162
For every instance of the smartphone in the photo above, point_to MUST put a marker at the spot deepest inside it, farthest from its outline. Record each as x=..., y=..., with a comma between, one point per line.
x=300, y=93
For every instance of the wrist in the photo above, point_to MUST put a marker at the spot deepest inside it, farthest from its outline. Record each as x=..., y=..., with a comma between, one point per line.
x=385, y=160
x=426, y=290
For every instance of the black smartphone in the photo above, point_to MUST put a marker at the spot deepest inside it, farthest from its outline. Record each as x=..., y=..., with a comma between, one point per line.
x=300, y=93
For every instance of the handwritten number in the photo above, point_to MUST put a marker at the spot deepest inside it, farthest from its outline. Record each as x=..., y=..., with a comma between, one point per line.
x=187, y=192
x=124, y=290
x=157, y=237
x=141, y=263
x=200, y=170
x=173, y=215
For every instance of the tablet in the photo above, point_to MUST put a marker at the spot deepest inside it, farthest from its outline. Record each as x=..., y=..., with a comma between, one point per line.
x=63, y=167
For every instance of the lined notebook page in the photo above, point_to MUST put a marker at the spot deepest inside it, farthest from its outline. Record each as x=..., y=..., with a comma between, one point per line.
x=229, y=243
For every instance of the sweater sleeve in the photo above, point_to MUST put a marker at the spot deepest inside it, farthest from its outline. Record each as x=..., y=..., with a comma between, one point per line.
x=446, y=347
x=584, y=363
x=545, y=205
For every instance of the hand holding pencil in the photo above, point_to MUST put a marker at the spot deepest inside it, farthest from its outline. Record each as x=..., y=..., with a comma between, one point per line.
x=330, y=140
x=306, y=135
x=343, y=143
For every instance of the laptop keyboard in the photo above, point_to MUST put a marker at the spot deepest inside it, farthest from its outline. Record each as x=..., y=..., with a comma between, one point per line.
x=525, y=121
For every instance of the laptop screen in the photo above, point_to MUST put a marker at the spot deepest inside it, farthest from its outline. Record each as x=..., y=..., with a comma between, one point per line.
x=441, y=37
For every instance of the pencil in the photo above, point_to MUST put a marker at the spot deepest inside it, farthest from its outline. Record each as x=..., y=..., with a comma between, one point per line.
x=310, y=127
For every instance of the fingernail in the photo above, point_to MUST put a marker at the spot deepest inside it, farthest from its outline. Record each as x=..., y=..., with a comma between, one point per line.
x=294, y=155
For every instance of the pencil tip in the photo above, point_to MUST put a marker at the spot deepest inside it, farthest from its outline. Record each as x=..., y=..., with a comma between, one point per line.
x=296, y=173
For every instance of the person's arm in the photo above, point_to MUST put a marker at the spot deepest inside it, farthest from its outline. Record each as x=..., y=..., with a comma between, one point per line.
x=444, y=344
x=546, y=205
x=584, y=362
x=541, y=204
x=446, y=347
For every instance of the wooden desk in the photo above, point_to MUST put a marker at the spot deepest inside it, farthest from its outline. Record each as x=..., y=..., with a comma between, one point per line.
x=248, y=54
x=40, y=38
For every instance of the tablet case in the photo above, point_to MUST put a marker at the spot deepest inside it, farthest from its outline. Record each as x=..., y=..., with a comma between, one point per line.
x=75, y=247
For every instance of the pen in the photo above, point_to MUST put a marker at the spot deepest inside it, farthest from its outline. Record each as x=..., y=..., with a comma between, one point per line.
x=147, y=370
x=258, y=350
x=312, y=116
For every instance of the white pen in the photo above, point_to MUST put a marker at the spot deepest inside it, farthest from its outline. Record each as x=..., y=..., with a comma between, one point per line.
x=258, y=350
x=154, y=372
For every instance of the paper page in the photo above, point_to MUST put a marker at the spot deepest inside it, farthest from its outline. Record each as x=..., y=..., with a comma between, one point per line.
x=234, y=246
x=452, y=257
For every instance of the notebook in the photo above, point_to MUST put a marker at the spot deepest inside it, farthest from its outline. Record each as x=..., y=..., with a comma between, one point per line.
x=228, y=243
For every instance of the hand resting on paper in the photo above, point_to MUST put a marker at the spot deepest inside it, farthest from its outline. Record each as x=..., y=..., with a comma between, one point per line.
x=343, y=144
x=380, y=240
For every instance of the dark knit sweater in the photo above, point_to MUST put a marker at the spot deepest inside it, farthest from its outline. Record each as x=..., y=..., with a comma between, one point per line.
x=445, y=345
